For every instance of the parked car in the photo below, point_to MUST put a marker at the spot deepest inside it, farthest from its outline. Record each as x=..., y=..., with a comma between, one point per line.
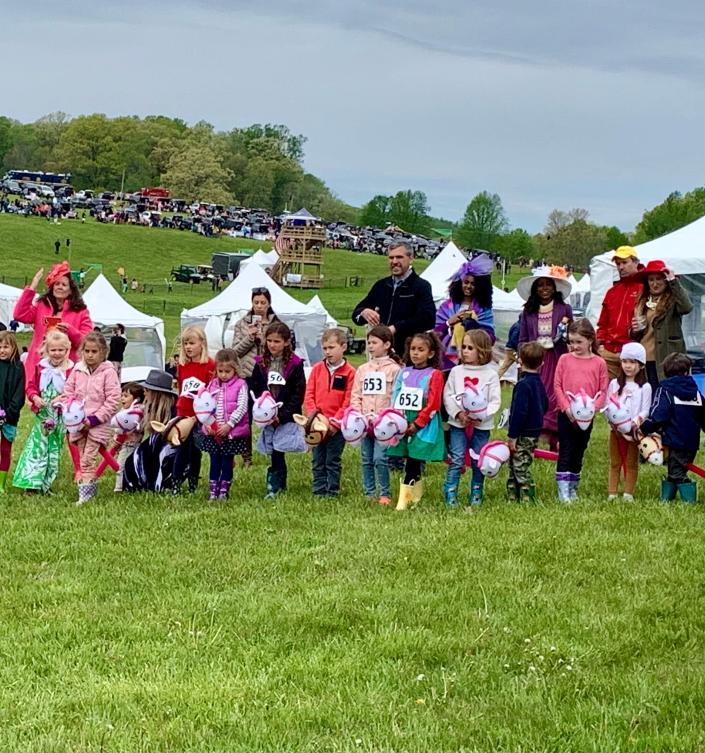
x=186, y=273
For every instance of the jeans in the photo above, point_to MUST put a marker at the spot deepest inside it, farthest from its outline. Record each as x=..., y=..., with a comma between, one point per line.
x=374, y=463
x=458, y=443
x=221, y=468
x=573, y=442
x=327, y=465
x=678, y=461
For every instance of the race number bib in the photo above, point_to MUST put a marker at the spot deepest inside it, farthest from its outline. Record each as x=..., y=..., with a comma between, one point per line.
x=409, y=398
x=373, y=383
x=191, y=386
x=275, y=378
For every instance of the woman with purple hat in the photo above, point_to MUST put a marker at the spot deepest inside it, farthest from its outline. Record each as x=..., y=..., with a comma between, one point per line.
x=658, y=315
x=545, y=319
x=468, y=306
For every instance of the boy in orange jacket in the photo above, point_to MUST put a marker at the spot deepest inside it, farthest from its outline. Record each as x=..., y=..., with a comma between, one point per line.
x=328, y=391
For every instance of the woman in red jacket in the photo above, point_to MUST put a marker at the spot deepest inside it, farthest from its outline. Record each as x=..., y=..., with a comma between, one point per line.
x=60, y=306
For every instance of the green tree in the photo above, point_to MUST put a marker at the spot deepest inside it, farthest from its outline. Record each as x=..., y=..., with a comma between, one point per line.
x=87, y=149
x=515, y=245
x=196, y=172
x=615, y=237
x=483, y=222
x=376, y=212
x=409, y=210
x=675, y=212
x=574, y=243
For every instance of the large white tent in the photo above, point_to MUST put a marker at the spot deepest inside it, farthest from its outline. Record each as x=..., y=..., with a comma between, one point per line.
x=8, y=299
x=316, y=304
x=219, y=315
x=262, y=258
x=442, y=268
x=145, y=334
x=684, y=251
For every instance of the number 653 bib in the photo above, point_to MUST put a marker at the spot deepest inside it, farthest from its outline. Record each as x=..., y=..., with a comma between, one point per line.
x=374, y=383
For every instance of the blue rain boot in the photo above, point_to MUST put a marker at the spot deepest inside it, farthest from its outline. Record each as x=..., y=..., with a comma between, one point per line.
x=668, y=490
x=688, y=492
x=476, y=491
x=451, y=495
x=563, y=484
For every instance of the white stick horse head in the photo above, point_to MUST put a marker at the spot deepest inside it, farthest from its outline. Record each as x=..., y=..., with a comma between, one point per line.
x=582, y=407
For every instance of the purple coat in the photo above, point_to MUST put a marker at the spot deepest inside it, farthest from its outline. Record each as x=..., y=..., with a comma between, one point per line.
x=529, y=327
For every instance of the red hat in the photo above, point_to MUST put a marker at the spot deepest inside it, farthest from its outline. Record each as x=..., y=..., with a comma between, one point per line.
x=62, y=269
x=655, y=266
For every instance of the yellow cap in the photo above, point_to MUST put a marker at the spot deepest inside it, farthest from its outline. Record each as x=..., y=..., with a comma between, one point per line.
x=625, y=252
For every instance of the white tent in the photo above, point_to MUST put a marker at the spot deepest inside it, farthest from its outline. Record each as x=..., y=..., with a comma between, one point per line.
x=506, y=308
x=145, y=334
x=316, y=304
x=684, y=250
x=219, y=315
x=442, y=268
x=580, y=292
x=8, y=299
x=260, y=258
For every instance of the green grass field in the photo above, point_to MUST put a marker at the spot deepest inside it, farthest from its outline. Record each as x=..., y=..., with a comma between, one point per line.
x=152, y=623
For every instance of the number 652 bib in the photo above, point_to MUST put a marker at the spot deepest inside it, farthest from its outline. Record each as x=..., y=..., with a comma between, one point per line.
x=409, y=398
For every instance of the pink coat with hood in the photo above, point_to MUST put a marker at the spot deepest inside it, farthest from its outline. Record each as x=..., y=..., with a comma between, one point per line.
x=100, y=391
x=78, y=324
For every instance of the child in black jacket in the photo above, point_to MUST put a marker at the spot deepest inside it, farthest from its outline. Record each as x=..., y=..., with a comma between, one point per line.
x=529, y=403
x=678, y=412
x=11, y=399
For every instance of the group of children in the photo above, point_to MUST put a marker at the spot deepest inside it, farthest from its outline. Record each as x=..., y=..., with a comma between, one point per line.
x=439, y=427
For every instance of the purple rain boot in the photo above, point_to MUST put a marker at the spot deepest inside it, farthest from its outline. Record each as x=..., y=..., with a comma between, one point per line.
x=213, y=490
x=224, y=489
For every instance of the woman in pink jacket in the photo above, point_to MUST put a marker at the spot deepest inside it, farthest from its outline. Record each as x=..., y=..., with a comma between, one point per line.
x=60, y=306
x=95, y=382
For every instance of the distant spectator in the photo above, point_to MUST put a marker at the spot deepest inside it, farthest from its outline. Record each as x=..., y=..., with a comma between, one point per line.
x=134, y=285
x=57, y=246
x=118, y=343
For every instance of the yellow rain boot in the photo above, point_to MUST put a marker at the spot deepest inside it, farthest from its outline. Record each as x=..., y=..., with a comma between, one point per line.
x=406, y=497
x=417, y=492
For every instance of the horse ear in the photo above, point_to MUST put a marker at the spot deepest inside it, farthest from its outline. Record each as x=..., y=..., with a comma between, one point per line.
x=571, y=395
x=597, y=395
x=299, y=419
x=473, y=455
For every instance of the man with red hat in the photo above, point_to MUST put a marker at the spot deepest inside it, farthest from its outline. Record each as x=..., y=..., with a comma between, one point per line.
x=618, y=309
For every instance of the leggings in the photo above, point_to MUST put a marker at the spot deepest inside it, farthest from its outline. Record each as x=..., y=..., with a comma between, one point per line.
x=413, y=471
x=5, y=453
x=573, y=442
x=221, y=467
x=619, y=447
x=89, y=449
x=278, y=462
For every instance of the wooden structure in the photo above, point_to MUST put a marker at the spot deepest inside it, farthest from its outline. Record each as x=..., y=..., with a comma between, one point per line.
x=299, y=245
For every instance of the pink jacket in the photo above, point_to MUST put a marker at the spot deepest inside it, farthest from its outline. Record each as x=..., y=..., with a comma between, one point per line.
x=231, y=405
x=100, y=391
x=78, y=324
x=374, y=403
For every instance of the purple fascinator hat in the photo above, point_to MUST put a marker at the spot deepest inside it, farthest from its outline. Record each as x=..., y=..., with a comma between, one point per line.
x=478, y=266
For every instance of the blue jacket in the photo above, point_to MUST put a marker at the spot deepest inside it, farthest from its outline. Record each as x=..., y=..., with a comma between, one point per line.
x=513, y=336
x=677, y=412
x=529, y=403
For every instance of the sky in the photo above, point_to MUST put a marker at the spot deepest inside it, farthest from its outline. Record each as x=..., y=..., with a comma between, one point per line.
x=551, y=104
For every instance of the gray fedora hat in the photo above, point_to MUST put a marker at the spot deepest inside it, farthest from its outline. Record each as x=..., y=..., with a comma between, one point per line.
x=160, y=381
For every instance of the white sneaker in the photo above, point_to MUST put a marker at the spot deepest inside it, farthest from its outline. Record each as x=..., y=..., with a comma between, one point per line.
x=611, y=497
x=628, y=497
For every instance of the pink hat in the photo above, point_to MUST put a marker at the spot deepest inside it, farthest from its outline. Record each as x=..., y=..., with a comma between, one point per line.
x=62, y=269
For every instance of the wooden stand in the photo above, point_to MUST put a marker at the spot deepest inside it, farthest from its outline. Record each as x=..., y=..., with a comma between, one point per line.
x=300, y=257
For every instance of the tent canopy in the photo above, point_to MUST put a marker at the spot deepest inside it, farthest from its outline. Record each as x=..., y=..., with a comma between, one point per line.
x=442, y=268
x=316, y=304
x=261, y=258
x=684, y=251
x=219, y=315
x=8, y=299
x=145, y=334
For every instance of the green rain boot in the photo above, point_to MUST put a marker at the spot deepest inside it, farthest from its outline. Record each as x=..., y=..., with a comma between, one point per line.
x=688, y=492
x=3, y=481
x=668, y=490
x=513, y=491
x=275, y=484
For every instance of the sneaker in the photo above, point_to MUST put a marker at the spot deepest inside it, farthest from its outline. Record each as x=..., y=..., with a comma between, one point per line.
x=385, y=501
x=628, y=497
x=611, y=497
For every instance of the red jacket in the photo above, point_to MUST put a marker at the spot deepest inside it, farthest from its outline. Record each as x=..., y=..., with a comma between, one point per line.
x=617, y=311
x=329, y=393
x=190, y=377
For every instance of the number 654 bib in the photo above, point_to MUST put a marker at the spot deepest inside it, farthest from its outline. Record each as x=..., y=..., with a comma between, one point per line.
x=409, y=398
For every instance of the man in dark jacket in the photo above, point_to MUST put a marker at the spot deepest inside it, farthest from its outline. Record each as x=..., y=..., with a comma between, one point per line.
x=678, y=412
x=403, y=301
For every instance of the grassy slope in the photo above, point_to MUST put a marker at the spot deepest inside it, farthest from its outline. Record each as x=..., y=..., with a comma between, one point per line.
x=150, y=624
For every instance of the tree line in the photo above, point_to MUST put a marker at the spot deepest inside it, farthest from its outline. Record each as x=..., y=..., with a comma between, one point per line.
x=262, y=166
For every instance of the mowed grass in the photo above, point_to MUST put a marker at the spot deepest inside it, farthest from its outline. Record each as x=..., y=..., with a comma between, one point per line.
x=152, y=623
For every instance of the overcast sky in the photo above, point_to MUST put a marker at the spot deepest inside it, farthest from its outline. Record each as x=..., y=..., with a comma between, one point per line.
x=550, y=103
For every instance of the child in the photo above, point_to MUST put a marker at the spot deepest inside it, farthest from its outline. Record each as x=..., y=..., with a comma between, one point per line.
x=418, y=392
x=529, y=403
x=328, y=391
x=11, y=399
x=580, y=368
x=280, y=371
x=38, y=465
x=131, y=392
x=150, y=467
x=194, y=370
x=231, y=437
x=371, y=394
x=679, y=414
x=624, y=452
x=95, y=381
x=465, y=432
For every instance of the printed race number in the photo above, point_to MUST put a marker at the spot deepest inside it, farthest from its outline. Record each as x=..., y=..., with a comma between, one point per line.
x=190, y=387
x=409, y=398
x=374, y=383
x=274, y=377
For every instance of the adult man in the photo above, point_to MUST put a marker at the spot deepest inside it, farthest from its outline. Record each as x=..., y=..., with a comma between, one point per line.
x=402, y=301
x=618, y=308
